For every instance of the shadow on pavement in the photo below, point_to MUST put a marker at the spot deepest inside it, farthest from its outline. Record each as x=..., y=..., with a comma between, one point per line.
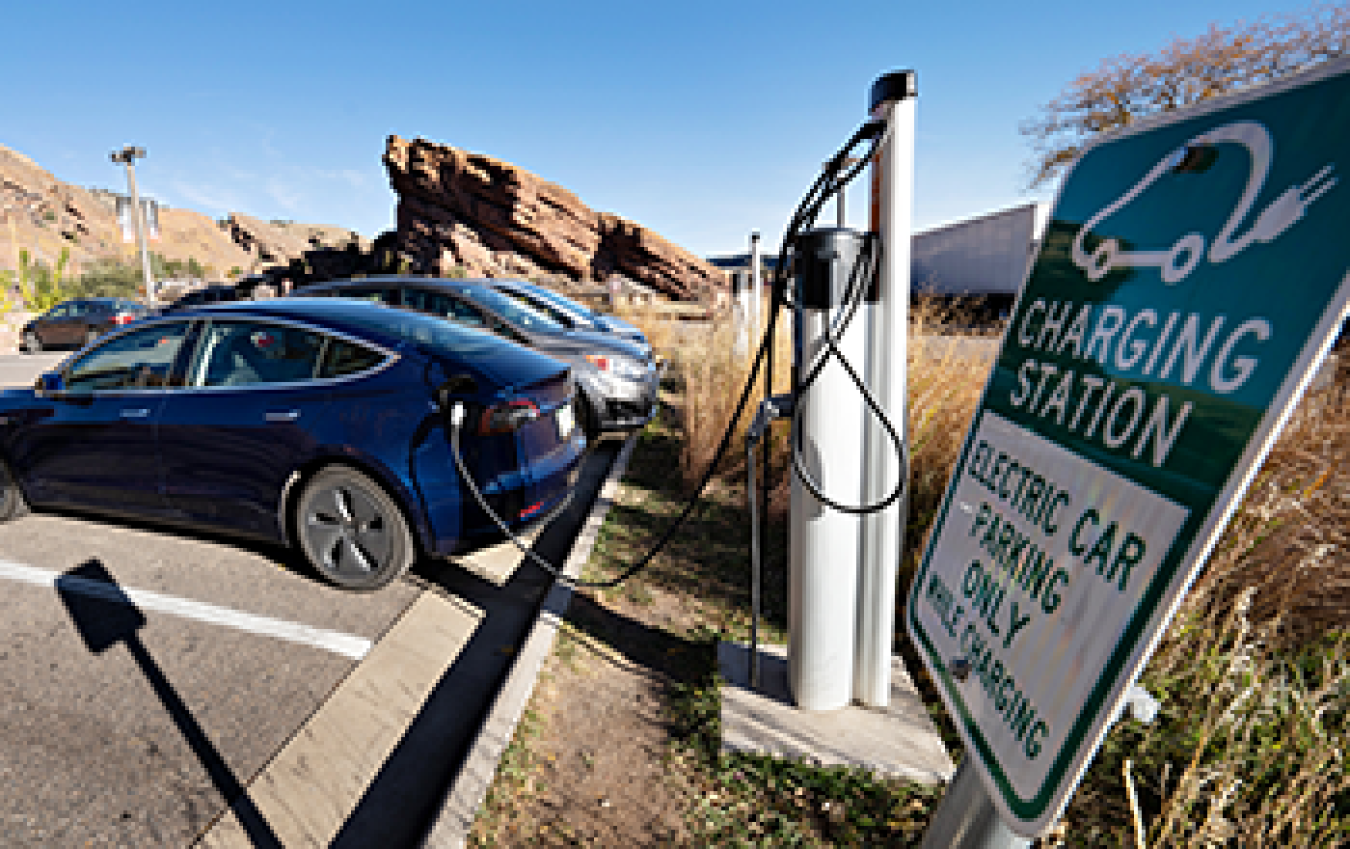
x=402, y=802
x=105, y=616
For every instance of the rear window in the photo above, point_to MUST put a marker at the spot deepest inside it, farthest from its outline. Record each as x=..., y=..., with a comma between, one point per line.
x=344, y=358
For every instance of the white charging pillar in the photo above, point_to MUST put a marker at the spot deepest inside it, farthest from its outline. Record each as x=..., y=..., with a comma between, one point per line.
x=886, y=312
x=823, y=558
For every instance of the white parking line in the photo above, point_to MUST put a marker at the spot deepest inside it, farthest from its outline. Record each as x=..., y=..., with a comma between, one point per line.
x=344, y=644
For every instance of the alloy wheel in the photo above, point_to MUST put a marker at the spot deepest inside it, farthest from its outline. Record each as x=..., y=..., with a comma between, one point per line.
x=351, y=531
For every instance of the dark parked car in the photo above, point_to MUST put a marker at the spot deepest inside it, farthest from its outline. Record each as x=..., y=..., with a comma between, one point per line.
x=618, y=381
x=213, y=294
x=319, y=423
x=76, y=323
x=572, y=314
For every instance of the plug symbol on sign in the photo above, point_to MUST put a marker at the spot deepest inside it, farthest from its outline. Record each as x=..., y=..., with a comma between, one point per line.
x=1185, y=254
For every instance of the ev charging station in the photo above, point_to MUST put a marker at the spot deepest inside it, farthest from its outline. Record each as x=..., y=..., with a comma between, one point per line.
x=824, y=548
x=843, y=564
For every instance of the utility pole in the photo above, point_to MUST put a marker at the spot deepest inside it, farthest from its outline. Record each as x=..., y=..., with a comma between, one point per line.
x=127, y=156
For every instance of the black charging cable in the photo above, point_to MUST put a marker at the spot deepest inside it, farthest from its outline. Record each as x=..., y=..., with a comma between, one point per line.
x=861, y=279
x=832, y=179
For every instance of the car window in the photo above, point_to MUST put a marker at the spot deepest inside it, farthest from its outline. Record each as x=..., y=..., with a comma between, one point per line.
x=243, y=353
x=436, y=303
x=446, y=305
x=511, y=310
x=142, y=359
x=430, y=331
x=59, y=311
x=378, y=294
x=542, y=306
x=343, y=358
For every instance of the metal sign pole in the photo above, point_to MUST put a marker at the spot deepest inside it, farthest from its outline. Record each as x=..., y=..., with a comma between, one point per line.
x=967, y=819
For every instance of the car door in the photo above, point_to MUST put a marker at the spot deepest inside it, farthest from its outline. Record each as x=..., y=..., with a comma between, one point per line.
x=95, y=445
x=74, y=329
x=242, y=422
x=53, y=327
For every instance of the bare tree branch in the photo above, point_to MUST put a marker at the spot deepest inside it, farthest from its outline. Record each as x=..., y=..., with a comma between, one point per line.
x=1221, y=60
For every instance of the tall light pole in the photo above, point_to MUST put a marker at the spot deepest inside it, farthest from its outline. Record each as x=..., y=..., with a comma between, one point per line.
x=127, y=156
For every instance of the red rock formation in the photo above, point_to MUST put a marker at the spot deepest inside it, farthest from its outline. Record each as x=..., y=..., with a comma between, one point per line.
x=487, y=218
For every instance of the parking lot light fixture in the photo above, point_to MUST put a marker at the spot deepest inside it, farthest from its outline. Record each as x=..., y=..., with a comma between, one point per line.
x=127, y=156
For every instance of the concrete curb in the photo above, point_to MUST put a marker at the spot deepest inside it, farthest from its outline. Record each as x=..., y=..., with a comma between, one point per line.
x=469, y=788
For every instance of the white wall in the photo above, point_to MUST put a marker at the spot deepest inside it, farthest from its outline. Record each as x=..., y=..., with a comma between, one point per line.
x=983, y=255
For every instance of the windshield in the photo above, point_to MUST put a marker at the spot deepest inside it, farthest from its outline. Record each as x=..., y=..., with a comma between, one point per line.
x=514, y=312
x=552, y=309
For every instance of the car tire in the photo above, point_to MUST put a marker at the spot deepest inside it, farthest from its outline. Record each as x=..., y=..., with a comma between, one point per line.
x=12, y=503
x=90, y=337
x=31, y=343
x=351, y=531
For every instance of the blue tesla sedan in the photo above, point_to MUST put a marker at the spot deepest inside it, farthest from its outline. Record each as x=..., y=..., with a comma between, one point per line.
x=318, y=423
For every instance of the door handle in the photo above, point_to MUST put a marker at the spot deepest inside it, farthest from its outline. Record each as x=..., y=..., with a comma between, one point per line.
x=136, y=413
x=282, y=415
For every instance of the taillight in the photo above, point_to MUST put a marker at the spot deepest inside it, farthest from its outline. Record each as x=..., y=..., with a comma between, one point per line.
x=531, y=510
x=123, y=318
x=599, y=361
x=508, y=416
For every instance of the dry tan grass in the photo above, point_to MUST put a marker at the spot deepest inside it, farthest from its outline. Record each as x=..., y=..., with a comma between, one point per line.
x=703, y=357
x=1258, y=661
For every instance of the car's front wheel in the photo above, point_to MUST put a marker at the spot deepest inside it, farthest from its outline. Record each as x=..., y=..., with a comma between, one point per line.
x=352, y=531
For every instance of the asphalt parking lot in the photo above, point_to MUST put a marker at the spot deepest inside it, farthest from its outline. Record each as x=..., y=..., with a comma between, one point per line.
x=158, y=688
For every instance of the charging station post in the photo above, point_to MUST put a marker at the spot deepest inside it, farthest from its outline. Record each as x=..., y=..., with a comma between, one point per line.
x=823, y=552
x=886, y=311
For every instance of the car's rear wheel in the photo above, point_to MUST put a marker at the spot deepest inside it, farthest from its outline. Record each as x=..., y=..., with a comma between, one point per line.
x=12, y=503
x=352, y=531
x=90, y=336
x=31, y=343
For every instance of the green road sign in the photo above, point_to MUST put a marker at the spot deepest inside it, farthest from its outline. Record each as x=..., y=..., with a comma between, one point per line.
x=1192, y=277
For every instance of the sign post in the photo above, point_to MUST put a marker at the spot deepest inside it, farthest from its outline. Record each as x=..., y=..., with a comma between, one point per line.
x=1192, y=278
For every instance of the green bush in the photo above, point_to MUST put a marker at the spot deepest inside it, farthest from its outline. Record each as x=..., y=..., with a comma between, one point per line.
x=108, y=279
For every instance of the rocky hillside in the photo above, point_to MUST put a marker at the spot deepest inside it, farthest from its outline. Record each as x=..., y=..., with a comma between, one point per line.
x=44, y=214
x=488, y=218
x=459, y=214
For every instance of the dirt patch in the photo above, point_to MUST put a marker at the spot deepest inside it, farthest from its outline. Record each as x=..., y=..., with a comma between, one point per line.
x=604, y=750
x=620, y=743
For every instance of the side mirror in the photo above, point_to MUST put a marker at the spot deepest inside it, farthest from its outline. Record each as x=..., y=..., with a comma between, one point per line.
x=49, y=384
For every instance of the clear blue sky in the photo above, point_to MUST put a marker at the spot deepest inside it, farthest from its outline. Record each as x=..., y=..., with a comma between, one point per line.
x=701, y=120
